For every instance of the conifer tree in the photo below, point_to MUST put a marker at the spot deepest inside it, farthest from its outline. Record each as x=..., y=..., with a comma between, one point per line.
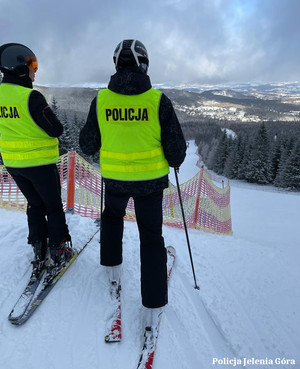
x=209, y=161
x=247, y=157
x=75, y=134
x=237, y=155
x=275, y=157
x=221, y=154
x=205, y=149
x=54, y=106
x=65, y=140
x=258, y=170
x=281, y=179
x=293, y=167
x=289, y=170
x=231, y=151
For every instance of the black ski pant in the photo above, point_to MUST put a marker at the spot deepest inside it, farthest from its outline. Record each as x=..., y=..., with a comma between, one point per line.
x=153, y=256
x=46, y=218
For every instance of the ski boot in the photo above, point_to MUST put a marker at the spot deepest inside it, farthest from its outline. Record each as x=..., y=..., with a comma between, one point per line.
x=39, y=262
x=60, y=256
x=151, y=322
x=114, y=323
x=114, y=277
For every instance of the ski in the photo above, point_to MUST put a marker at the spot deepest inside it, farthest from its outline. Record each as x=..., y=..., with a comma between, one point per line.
x=44, y=287
x=114, y=325
x=26, y=297
x=44, y=291
x=151, y=333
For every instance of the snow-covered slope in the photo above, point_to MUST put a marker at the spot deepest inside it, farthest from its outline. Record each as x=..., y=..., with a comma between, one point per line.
x=248, y=305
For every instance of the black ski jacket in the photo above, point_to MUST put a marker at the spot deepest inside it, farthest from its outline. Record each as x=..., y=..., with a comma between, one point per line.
x=131, y=81
x=38, y=107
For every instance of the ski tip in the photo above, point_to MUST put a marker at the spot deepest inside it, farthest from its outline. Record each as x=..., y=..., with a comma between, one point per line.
x=171, y=250
x=17, y=322
x=12, y=318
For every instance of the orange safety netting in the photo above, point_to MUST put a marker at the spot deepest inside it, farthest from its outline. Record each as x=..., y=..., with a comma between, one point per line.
x=206, y=205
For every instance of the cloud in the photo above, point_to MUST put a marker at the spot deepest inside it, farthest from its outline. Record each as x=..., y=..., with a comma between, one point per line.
x=188, y=40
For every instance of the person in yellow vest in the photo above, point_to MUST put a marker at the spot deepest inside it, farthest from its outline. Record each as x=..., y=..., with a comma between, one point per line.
x=139, y=137
x=29, y=149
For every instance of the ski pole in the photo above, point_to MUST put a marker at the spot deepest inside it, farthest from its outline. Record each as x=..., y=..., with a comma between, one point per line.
x=101, y=211
x=101, y=202
x=185, y=228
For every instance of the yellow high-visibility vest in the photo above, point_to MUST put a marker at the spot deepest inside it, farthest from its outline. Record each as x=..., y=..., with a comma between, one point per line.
x=22, y=142
x=131, y=147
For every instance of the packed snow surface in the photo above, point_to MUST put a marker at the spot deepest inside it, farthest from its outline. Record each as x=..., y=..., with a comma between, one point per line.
x=247, y=310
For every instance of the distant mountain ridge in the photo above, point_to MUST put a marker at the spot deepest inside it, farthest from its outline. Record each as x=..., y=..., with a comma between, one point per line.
x=268, y=88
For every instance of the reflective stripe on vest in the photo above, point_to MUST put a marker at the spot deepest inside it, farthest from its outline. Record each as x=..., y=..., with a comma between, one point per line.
x=130, y=136
x=22, y=142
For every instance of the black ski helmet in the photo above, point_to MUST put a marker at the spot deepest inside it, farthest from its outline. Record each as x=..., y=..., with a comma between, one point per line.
x=16, y=59
x=129, y=53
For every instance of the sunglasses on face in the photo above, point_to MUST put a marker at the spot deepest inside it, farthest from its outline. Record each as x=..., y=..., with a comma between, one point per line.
x=32, y=63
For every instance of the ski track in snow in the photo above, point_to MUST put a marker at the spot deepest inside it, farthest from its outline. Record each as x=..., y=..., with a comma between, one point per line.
x=247, y=306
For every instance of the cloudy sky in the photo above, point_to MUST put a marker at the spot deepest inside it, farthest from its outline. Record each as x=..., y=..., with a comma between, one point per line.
x=188, y=41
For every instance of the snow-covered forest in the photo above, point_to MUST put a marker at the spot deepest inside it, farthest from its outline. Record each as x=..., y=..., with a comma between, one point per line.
x=258, y=153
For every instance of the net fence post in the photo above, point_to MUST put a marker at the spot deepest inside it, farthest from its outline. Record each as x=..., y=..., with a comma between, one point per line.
x=71, y=182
